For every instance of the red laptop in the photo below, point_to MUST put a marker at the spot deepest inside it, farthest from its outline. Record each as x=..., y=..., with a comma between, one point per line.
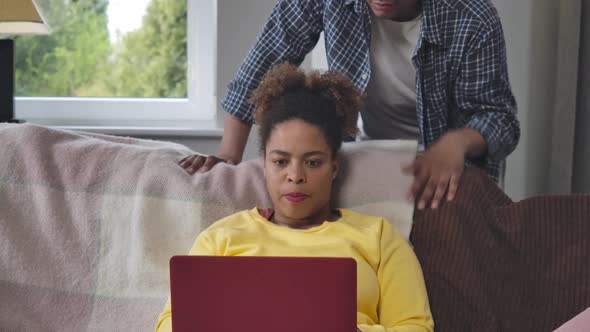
x=263, y=294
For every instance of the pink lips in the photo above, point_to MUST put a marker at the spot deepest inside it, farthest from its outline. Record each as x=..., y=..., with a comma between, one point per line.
x=296, y=197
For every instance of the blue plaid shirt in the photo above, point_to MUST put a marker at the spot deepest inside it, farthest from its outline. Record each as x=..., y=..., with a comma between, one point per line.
x=460, y=60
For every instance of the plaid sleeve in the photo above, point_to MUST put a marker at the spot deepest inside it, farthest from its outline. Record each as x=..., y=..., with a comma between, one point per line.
x=483, y=92
x=290, y=33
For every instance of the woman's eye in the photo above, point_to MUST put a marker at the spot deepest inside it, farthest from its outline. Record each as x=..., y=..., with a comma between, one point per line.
x=280, y=162
x=313, y=163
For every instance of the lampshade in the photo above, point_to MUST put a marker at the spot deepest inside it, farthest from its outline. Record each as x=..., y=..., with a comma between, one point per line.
x=21, y=17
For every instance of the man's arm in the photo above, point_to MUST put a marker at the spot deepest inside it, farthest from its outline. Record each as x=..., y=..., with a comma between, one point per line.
x=235, y=137
x=482, y=95
x=290, y=33
x=231, y=150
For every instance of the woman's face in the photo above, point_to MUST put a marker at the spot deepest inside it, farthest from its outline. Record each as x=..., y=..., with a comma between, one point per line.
x=299, y=169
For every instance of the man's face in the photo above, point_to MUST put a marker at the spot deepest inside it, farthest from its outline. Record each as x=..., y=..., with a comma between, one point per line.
x=397, y=10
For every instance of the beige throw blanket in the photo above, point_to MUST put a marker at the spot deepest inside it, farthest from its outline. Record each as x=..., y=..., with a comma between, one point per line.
x=88, y=222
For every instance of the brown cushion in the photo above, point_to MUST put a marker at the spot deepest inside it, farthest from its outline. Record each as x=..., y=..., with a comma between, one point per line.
x=494, y=265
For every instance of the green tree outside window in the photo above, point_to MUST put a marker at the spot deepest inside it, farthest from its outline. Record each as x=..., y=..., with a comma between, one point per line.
x=77, y=58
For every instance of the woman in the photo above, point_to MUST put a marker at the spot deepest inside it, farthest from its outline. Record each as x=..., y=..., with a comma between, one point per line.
x=303, y=119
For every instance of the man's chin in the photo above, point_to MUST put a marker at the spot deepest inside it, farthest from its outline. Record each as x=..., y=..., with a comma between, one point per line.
x=387, y=16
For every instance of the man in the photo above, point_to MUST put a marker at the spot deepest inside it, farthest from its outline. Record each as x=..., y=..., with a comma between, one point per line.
x=432, y=70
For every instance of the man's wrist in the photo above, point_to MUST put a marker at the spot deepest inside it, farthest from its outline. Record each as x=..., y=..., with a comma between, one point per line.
x=470, y=142
x=228, y=159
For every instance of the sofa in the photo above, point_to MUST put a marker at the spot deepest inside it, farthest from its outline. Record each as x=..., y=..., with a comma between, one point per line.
x=88, y=223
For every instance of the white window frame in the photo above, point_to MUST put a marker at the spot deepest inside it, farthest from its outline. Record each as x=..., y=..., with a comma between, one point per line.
x=200, y=104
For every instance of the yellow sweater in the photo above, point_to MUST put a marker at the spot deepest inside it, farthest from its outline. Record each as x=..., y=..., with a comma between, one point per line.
x=391, y=295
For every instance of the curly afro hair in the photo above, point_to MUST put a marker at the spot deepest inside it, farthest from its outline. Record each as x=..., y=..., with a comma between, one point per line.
x=327, y=100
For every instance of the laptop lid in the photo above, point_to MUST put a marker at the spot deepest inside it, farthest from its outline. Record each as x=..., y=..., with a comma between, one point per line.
x=263, y=294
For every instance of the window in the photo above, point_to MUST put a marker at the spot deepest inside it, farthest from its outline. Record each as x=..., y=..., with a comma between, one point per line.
x=119, y=62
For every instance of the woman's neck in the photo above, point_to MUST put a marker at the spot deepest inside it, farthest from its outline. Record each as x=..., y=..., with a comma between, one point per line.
x=327, y=214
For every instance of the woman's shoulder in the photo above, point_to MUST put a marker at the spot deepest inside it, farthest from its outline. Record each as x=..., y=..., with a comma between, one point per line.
x=361, y=218
x=234, y=220
x=367, y=222
x=363, y=221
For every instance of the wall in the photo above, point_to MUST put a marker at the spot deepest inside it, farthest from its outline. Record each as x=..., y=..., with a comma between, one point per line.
x=582, y=148
x=530, y=29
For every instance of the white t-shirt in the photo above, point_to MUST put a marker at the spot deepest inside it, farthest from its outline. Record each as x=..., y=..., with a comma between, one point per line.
x=391, y=93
